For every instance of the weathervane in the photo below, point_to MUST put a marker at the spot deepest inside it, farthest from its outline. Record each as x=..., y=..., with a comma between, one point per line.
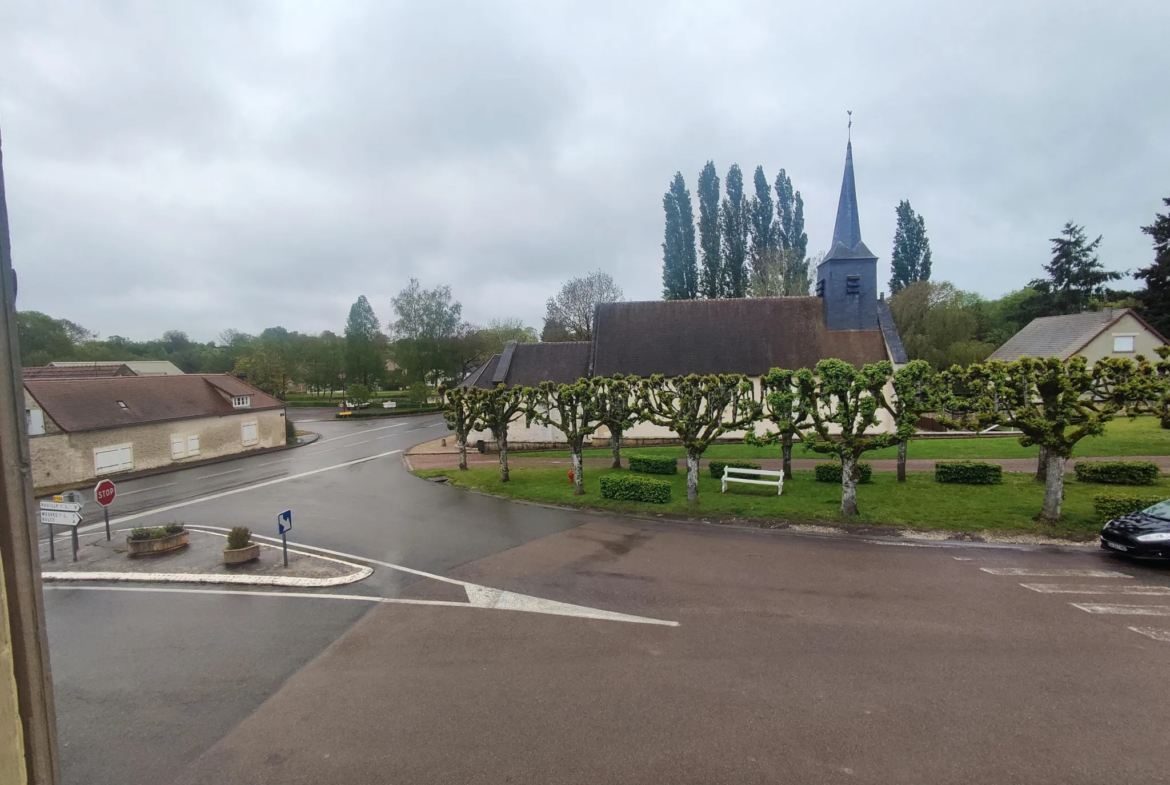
x=849, y=128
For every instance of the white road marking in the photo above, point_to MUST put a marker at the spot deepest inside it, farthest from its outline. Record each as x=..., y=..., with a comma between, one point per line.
x=302, y=595
x=1039, y=573
x=362, y=432
x=962, y=558
x=1081, y=588
x=321, y=452
x=436, y=425
x=1124, y=610
x=1153, y=632
x=143, y=490
x=218, y=474
x=269, y=463
x=353, y=444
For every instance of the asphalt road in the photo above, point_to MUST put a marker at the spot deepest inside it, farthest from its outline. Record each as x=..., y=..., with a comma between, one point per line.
x=796, y=658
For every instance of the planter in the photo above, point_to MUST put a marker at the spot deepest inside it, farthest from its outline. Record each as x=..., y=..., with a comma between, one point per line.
x=160, y=545
x=241, y=555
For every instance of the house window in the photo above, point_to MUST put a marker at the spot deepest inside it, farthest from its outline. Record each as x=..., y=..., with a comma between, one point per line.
x=1123, y=343
x=853, y=284
x=117, y=458
x=122, y=405
x=177, y=448
x=36, y=422
x=249, y=433
x=192, y=445
x=241, y=401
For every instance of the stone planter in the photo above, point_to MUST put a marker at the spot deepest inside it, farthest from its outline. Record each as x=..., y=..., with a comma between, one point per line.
x=161, y=545
x=241, y=555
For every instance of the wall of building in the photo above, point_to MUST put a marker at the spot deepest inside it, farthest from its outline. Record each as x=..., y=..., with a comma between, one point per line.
x=1144, y=341
x=59, y=458
x=12, y=767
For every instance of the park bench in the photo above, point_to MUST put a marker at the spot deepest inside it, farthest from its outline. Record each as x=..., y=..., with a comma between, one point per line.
x=773, y=478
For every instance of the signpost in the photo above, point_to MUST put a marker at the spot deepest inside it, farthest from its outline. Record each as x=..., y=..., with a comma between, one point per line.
x=284, y=525
x=60, y=514
x=104, y=494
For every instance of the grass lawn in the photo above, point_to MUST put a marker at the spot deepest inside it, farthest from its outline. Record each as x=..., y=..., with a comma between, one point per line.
x=1140, y=436
x=920, y=502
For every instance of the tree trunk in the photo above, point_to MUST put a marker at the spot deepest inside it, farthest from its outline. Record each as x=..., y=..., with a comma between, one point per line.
x=578, y=471
x=1042, y=465
x=692, y=477
x=1053, y=488
x=461, y=440
x=902, y=461
x=616, y=444
x=848, y=485
x=786, y=451
x=502, y=440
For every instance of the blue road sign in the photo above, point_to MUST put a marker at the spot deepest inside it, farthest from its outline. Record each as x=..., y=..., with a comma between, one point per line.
x=284, y=521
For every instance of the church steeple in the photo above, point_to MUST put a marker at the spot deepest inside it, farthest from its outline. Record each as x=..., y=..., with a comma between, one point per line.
x=847, y=242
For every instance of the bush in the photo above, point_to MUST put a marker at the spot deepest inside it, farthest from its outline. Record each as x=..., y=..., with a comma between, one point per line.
x=717, y=467
x=625, y=487
x=290, y=431
x=239, y=537
x=174, y=527
x=1109, y=506
x=644, y=465
x=831, y=472
x=968, y=473
x=1118, y=472
x=155, y=532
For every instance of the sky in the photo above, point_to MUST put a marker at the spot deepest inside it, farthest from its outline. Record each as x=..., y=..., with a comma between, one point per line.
x=249, y=163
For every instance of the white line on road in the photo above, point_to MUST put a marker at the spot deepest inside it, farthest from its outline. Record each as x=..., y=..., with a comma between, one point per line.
x=320, y=452
x=353, y=444
x=269, y=463
x=218, y=474
x=1123, y=610
x=362, y=432
x=1114, y=588
x=302, y=595
x=1038, y=573
x=962, y=558
x=1153, y=632
x=143, y=490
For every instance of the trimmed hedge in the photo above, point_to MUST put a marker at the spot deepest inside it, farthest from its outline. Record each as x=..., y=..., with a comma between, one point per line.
x=1118, y=472
x=717, y=467
x=625, y=487
x=644, y=465
x=1110, y=505
x=831, y=472
x=968, y=473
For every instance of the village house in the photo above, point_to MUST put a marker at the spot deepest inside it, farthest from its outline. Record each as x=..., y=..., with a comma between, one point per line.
x=84, y=428
x=1094, y=335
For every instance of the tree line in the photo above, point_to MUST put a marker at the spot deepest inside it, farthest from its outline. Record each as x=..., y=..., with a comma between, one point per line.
x=832, y=409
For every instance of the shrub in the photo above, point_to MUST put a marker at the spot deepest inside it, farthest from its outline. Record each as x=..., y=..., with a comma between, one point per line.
x=717, y=467
x=968, y=473
x=831, y=472
x=1109, y=506
x=155, y=532
x=625, y=487
x=644, y=465
x=174, y=527
x=290, y=431
x=239, y=537
x=1118, y=472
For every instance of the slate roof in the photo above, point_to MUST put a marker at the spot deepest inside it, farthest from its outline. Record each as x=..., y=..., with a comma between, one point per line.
x=1059, y=336
x=75, y=372
x=79, y=405
x=890, y=333
x=140, y=367
x=847, y=242
x=529, y=364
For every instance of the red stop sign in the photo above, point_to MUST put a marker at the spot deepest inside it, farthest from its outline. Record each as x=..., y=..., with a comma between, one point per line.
x=104, y=493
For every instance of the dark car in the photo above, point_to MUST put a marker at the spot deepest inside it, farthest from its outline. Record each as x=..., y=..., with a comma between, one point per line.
x=1142, y=535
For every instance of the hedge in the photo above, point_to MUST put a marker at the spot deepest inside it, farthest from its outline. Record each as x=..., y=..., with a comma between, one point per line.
x=625, y=487
x=644, y=465
x=1109, y=505
x=717, y=467
x=1118, y=472
x=831, y=472
x=968, y=473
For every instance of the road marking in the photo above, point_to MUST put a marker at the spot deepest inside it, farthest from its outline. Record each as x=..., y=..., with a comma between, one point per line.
x=1124, y=610
x=361, y=432
x=1037, y=573
x=1115, y=588
x=962, y=558
x=143, y=490
x=302, y=595
x=269, y=463
x=320, y=452
x=1153, y=632
x=353, y=444
x=218, y=474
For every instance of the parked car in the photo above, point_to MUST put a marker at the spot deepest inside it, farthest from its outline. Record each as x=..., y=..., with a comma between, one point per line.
x=1142, y=535
x=348, y=405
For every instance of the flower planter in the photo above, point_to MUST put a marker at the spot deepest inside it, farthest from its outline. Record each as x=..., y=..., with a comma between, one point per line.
x=241, y=555
x=160, y=545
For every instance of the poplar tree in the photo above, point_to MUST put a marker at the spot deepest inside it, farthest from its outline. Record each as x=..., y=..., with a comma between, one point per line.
x=734, y=225
x=910, y=260
x=680, y=273
x=710, y=236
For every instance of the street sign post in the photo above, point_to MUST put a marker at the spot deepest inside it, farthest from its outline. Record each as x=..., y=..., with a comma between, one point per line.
x=61, y=514
x=104, y=494
x=284, y=525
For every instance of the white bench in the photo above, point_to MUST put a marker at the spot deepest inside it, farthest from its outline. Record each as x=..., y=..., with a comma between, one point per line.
x=776, y=478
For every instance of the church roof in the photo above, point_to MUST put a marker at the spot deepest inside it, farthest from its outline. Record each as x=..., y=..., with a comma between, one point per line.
x=847, y=243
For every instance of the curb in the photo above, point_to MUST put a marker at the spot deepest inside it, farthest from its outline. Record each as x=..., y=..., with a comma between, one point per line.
x=172, y=577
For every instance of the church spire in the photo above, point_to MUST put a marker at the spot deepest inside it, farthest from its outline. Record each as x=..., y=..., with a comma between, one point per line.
x=847, y=242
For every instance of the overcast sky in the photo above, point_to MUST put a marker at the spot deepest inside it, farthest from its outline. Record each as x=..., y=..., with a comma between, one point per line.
x=225, y=163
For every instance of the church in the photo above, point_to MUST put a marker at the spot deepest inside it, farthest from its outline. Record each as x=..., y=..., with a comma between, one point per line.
x=845, y=319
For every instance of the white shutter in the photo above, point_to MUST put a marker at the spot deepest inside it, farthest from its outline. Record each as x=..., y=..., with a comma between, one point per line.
x=118, y=458
x=177, y=447
x=36, y=422
x=249, y=433
x=192, y=445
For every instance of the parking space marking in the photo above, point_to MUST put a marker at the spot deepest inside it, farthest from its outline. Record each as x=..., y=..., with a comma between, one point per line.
x=1082, y=588
x=1153, y=632
x=1123, y=610
x=1041, y=573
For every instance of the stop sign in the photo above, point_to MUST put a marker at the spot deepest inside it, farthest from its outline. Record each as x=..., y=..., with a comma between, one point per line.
x=104, y=493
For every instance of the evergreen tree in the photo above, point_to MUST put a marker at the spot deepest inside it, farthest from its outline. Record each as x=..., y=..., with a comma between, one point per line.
x=680, y=273
x=910, y=260
x=734, y=224
x=710, y=238
x=363, y=344
x=1075, y=273
x=1156, y=296
x=765, y=246
x=790, y=212
x=799, y=238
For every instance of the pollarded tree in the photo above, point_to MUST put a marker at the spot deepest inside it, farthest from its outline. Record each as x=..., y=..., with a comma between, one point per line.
x=495, y=409
x=1053, y=403
x=698, y=409
x=915, y=394
x=783, y=407
x=850, y=399
x=573, y=410
x=617, y=410
x=1159, y=400
x=461, y=411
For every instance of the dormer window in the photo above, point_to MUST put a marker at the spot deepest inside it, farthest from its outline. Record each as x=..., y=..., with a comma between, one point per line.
x=122, y=405
x=241, y=401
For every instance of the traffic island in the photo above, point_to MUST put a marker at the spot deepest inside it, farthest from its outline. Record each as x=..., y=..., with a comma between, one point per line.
x=202, y=561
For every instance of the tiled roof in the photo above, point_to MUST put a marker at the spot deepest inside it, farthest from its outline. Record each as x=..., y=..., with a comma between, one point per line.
x=78, y=405
x=1057, y=336
x=533, y=363
x=75, y=371
x=890, y=332
x=140, y=367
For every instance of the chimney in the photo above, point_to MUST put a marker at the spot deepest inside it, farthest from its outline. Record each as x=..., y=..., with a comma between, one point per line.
x=1108, y=313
